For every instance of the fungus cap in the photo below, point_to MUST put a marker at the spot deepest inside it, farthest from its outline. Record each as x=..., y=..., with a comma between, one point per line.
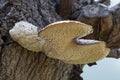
x=60, y=37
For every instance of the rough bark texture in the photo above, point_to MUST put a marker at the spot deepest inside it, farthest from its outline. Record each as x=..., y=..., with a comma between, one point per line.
x=66, y=8
x=21, y=64
x=114, y=38
x=17, y=63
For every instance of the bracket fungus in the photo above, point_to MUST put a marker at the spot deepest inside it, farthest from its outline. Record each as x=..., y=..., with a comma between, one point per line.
x=59, y=40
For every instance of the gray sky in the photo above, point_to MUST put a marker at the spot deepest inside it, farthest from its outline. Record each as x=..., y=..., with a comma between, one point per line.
x=114, y=2
x=106, y=69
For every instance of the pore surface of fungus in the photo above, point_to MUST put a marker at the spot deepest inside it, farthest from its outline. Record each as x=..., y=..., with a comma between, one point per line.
x=61, y=35
x=60, y=40
x=89, y=54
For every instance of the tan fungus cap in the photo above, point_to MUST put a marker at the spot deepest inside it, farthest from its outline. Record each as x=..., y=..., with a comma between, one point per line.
x=60, y=44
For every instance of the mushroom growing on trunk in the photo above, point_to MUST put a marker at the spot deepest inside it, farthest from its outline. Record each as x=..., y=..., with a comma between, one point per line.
x=59, y=40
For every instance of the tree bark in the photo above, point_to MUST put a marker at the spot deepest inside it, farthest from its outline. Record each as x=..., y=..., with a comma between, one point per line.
x=66, y=8
x=105, y=28
x=17, y=63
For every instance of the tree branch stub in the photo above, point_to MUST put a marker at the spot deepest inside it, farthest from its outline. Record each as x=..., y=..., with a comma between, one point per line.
x=95, y=10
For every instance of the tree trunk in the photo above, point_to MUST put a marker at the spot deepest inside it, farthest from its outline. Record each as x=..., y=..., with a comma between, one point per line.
x=17, y=63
